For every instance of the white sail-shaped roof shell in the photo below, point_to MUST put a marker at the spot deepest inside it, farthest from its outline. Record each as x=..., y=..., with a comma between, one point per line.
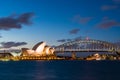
x=38, y=48
x=47, y=50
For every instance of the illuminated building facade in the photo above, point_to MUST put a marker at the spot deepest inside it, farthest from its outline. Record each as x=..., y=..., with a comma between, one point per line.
x=40, y=49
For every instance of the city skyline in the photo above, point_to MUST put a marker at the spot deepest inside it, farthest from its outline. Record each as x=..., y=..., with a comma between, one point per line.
x=25, y=23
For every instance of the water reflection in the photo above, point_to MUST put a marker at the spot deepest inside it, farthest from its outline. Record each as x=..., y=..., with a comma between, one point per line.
x=60, y=70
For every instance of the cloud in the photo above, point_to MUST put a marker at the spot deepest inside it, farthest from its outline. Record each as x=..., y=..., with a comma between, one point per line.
x=108, y=7
x=116, y=1
x=105, y=18
x=12, y=44
x=72, y=39
x=74, y=31
x=108, y=24
x=83, y=20
x=65, y=40
x=62, y=40
x=25, y=18
x=80, y=38
x=15, y=22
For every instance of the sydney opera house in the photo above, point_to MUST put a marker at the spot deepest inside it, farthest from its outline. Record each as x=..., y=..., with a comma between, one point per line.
x=39, y=52
x=40, y=49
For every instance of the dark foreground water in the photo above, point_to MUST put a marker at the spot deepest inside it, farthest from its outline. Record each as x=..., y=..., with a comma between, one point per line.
x=60, y=70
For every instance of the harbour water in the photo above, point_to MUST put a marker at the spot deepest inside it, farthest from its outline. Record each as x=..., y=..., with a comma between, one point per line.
x=60, y=70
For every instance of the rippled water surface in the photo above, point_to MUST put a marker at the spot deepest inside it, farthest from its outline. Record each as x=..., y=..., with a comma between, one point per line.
x=60, y=70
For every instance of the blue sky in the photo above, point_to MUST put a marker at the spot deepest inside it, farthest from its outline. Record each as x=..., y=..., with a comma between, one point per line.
x=23, y=23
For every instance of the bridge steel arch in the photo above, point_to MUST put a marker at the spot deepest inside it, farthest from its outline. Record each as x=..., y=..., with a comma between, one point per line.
x=87, y=45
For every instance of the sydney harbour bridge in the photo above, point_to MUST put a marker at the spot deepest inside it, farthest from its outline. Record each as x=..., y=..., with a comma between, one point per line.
x=90, y=45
